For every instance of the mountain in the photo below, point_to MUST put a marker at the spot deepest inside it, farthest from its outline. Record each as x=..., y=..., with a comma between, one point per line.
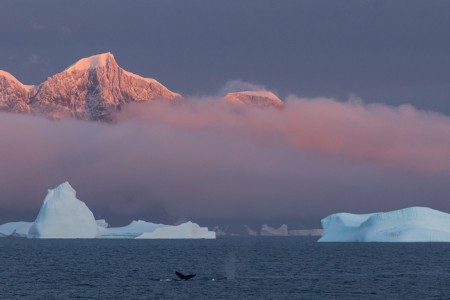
x=255, y=98
x=14, y=95
x=90, y=89
x=93, y=87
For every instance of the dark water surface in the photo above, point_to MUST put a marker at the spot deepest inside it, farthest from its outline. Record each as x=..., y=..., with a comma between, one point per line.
x=256, y=268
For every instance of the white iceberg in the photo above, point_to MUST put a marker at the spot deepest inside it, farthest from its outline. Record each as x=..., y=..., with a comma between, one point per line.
x=186, y=230
x=131, y=231
x=101, y=223
x=250, y=231
x=219, y=231
x=62, y=215
x=18, y=229
x=266, y=230
x=414, y=224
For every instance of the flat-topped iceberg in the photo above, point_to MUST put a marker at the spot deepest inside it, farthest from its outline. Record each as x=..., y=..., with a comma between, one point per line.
x=414, y=224
x=186, y=230
x=62, y=215
x=18, y=229
x=131, y=231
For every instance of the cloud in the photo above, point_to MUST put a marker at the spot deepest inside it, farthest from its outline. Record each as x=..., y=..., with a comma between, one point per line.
x=402, y=137
x=205, y=159
x=34, y=58
x=232, y=86
x=64, y=31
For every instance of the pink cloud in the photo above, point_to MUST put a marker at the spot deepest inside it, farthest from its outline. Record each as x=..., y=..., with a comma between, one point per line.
x=207, y=159
x=402, y=137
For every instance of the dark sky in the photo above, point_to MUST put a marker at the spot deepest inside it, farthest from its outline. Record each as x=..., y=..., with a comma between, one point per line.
x=382, y=51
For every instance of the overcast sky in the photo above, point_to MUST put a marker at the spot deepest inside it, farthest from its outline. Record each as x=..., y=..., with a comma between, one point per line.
x=382, y=51
x=328, y=150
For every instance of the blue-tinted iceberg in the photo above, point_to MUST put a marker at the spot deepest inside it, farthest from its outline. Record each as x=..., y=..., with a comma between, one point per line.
x=17, y=229
x=131, y=231
x=414, y=224
x=62, y=215
x=186, y=230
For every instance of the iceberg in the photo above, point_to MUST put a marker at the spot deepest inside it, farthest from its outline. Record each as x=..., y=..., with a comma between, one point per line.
x=101, y=223
x=413, y=224
x=131, y=231
x=62, y=215
x=18, y=229
x=266, y=230
x=250, y=231
x=219, y=231
x=186, y=230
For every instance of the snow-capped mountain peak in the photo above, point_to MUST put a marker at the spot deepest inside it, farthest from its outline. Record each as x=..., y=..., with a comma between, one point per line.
x=93, y=88
x=14, y=95
x=261, y=98
x=92, y=62
x=8, y=76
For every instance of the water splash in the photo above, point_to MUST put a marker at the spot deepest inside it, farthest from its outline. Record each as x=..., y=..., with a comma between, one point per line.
x=230, y=265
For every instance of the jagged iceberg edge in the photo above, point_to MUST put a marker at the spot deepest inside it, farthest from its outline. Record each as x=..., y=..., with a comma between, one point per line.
x=62, y=215
x=413, y=224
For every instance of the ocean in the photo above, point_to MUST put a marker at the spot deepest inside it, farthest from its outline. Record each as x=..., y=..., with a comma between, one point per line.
x=226, y=268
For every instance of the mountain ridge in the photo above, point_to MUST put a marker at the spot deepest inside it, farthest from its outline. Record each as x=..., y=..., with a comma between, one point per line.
x=90, y=89
x=94, y=87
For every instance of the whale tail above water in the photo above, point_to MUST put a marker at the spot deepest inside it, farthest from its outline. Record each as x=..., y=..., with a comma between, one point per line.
x=185, y=277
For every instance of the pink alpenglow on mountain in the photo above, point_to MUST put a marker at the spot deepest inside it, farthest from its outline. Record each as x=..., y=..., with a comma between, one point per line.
x=254, y=98
x=90, y=89
x=14, y=95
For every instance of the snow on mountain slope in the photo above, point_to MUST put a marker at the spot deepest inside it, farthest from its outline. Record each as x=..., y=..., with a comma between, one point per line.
x=94, y=87
x=91, y=62
x=14, y=95
x=413, y=224
x=254, y=98
x=62, y=215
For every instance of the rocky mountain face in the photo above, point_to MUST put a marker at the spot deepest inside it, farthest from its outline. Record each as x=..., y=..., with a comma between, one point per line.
x=254, y=98
x=90, y=89
x=13, y=94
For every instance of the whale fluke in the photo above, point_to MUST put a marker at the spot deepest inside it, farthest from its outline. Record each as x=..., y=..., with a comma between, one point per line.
x=185, y=277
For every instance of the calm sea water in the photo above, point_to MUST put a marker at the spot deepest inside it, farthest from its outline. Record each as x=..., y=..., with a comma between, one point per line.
x=256, y=268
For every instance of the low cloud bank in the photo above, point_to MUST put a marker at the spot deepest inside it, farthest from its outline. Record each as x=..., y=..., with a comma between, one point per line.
x=207, y=159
